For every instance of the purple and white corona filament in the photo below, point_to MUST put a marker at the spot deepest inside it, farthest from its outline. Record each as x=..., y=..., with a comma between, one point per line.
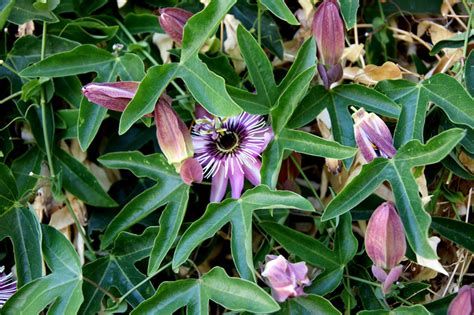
x=7, y=286
x=229, y=150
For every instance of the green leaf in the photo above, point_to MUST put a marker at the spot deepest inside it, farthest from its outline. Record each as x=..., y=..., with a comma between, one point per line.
x=232, y=293
x=349, y=12
x=170, y=191
x=24, y=11
x=26, y=241
x=259, y=67
x=455, y=41
x=305, y=58
x=69, y=89
x=62, y=288
x=469, y=73
x=402, y=310
x=302, y=142
x=207, y=88
x=5, y=9
x=77, y=179
x=137, y=23
x=289, y=99
x=447, y=93
x=239, y=213
x=21, y=168
x=308, y=305
x=118, y=271
x=249, y=102
x=312, y=104
x=201, y=26
x=459, y=232
x=8, y=188
x=149, y=90
x=398, y=172
x=279, y=8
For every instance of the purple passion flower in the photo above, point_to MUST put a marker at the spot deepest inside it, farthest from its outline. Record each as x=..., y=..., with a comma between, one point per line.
x=7, y=286
x=372, y=136
x=229, y=149
x=284, y=278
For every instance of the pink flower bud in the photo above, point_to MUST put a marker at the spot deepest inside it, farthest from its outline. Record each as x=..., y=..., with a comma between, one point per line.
x=328, y=29
x=173, y=136
x=372, y=136
x=191, y=171
x=385, y=237
x=113, y=95
x=284, y=278
x=463, y=303
x=172, y=20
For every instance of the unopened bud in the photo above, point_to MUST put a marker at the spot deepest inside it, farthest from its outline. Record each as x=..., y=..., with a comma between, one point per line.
x=385, y=237
x=328, y=30
x=113, y=95
x=372, y=136
x=463, y=303
x=172, y=20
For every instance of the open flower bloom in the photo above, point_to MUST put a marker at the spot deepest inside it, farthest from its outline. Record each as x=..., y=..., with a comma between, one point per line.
x=284, y=278
x=229, y=149
x=7, y=286
x=463, y=303
x=172, y=20
x=385, y=244
x=372, y=136
x=173, y=136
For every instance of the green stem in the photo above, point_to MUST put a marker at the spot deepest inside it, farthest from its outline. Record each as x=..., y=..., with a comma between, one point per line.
x=120, y=300
x=9, y=68
x=147, y=55
x=375, y=284
x=79, y=227
x=468, y=31
x=6, y=99
x=403, y=300
x=259, y=23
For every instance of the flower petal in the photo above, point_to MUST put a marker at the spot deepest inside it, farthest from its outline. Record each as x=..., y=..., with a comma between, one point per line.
x=252, y=171
x=219, y=185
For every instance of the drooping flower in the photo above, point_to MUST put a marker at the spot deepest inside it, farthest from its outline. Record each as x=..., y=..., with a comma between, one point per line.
x=172, y=20
x=173, y=136
x=229, y=150
x=372, y=136
x=385, y=244
x=7, y=286
x=463, y=303
x=328, y=30
x=284, y=278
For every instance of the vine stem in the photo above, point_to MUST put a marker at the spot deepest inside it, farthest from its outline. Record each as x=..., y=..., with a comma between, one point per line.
x=6, y=99
x=259, y=23
x=148, y=56
x=120, y=300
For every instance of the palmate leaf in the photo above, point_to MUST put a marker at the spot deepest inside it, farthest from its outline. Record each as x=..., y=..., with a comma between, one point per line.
x=26, y=240
x=118, y=270
x=444, y=91
x=239, y=213
x=397, y=171
x=170, y=191
x=62, y=289
x=313, y=251
x=232, y=293
x=308, y=305
x=207, y=87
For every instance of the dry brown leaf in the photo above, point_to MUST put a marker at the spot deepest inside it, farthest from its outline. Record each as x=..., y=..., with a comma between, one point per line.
x=353, y=52
x=387, y=71
x=164, y=43
x=432, y=264
x=435, y=31
x=231, y=45
x=466, y=161
x=446, y=5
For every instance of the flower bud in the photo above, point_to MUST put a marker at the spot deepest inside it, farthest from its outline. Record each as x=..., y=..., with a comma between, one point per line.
x=372, y=136
x=113, y=95
x=172, y=20
x=191, y=171
x=284, y=278
x=385, y=237
x=328, y=30
x=173, y=136
x=7, y=286
x=463, y=303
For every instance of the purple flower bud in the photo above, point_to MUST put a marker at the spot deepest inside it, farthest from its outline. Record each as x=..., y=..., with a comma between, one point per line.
x=7, y=286
x=113, y=95
x=191, y=171
x=328, y=29
x=172, y=20
x=387, y=279
x=372, y=136
x=385, y=237
x=463, y=303
x=284, y=278
x=173, y=136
